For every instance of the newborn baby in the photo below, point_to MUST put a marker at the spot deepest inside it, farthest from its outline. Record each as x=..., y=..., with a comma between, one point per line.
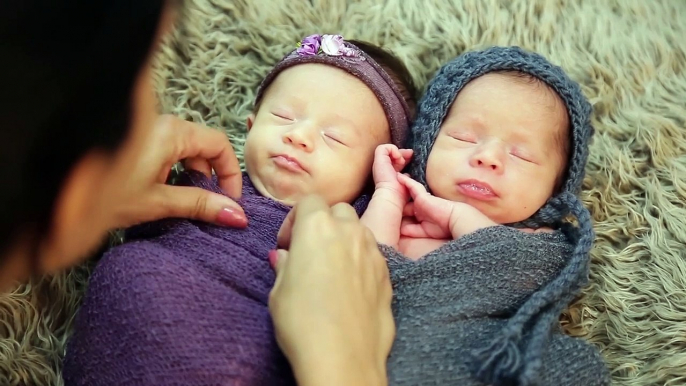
x=495, y=160
x=186, y=303
x=483, y=264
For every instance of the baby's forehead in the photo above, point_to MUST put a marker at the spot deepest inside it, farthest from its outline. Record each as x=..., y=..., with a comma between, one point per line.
x=539, y=108
x=533, y=90
x=523, y=80
x=549, y=96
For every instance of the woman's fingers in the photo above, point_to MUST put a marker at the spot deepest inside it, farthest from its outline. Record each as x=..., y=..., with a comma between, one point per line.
x=198, y=164
x=165, y=201
x=303, y=209
x=147, y=167
x=192, y=141
x=332, y=291
x=344, y=211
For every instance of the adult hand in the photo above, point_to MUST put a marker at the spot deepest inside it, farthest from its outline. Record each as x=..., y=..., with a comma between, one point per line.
x=331, y=301
x=171, y=140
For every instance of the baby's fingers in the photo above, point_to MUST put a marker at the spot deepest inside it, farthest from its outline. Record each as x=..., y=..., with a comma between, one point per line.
x=412, y=230
x=402, y=158
x=415, y=188
x=383, y=151
x=406, y=154
x=394, y=152
x=408, y=210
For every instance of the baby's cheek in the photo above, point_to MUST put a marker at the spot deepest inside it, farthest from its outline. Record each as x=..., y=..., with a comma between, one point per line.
x=352, y=177
x=440, y=169
x=440, y=160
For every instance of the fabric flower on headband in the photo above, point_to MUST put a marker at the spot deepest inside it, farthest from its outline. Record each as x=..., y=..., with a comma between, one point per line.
x=332, y=45
x=310, y=45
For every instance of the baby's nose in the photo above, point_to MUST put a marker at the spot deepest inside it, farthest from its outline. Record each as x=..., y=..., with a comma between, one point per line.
x=298, y=138
x=488, y=157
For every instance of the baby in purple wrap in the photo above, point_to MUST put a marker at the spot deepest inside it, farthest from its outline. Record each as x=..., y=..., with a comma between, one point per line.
x=185, y=303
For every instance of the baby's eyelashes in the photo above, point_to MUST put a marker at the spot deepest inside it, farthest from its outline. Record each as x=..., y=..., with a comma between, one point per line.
x=334, y=137
x=284, y=116
x=462, y=137
x=524, y=156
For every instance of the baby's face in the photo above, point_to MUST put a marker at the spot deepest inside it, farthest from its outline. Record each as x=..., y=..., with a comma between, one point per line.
x=315, y=132
x=500, y=148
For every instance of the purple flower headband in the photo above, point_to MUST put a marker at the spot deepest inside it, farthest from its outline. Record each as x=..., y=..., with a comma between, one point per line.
x=332, y=45
x=334, y=51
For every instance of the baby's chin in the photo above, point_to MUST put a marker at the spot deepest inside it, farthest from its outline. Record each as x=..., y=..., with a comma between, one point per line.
x=282, y=190
x=505, y=216
x=498, y=212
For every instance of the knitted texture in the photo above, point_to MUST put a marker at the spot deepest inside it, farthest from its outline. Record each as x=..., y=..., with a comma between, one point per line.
x=451, y=79
x=185, y=304
x=454, y=299
x=509, y=357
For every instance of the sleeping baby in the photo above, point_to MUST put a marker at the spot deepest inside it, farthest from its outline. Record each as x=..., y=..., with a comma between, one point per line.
x=482, y=258
x=186, y=303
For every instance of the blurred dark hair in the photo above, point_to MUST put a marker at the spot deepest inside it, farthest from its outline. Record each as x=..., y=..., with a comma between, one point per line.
x=396, y=69
x=67, y=70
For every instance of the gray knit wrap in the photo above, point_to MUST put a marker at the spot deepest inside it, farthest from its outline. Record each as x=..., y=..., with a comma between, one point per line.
x=509, y=359
x=456, y=298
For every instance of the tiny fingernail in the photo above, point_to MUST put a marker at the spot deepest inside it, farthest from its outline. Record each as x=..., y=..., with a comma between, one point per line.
x=231, y=217
x=273, y=257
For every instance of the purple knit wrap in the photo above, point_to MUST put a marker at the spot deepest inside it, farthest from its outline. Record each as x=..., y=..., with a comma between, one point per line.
x=363, y=67
x=184, y=303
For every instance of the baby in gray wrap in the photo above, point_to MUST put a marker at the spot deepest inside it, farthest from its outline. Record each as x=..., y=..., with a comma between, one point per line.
x=482, y=258
x=496, y=160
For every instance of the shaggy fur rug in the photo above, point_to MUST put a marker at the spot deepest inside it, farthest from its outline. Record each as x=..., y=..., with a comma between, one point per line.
x=629, y=56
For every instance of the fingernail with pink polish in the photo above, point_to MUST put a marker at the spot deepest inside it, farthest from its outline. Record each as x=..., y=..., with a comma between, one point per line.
x=231, y=217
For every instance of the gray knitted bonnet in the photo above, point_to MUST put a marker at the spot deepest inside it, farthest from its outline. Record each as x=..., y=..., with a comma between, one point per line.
x=514, y=357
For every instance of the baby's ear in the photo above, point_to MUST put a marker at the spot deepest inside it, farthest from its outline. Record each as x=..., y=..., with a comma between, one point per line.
x=250, y=120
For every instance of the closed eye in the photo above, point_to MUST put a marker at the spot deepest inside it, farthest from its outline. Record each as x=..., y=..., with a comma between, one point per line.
x=463, y=138
x=523, y=157
x=334, y=138
x=283, y=116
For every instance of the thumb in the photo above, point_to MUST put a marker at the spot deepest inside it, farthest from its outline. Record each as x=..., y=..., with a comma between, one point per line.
x=277, y=259
x=199, y=204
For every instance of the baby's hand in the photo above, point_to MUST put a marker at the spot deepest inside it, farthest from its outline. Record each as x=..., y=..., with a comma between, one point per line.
x=388, y=161
x=431, y=213
x=436, y=217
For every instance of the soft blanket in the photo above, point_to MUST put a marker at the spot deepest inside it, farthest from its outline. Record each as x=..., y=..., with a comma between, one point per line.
x=457, y=298
x=184, y=303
